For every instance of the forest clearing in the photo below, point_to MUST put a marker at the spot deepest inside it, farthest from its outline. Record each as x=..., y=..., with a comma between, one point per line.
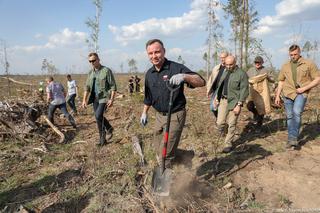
x=41, y=174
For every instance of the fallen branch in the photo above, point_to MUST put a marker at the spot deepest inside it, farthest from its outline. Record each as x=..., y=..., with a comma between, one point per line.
x=149, y=198
x=8, y=125
x=238, y=167
x=129, y=122
x=62, y=137
x=17, y=82
x=14, y=132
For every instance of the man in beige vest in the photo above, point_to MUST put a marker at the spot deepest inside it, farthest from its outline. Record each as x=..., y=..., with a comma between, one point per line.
x=296, y=78
x=255, y=96
x=213, y=81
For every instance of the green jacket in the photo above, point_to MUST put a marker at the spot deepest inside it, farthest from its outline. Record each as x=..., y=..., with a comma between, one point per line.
x=105, y=83
x=238, y=87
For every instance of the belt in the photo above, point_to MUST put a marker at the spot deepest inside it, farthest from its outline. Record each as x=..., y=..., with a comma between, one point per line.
x=224, y=97
x=166, y=113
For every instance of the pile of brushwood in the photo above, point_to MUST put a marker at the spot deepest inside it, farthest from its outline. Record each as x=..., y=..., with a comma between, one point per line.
x=19, y=119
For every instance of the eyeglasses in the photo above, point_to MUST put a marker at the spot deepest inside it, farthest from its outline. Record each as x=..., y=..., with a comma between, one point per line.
x=92, y=61
x=257, y=62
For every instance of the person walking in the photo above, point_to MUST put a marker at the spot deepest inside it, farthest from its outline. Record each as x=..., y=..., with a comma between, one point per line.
x=231, y=93
x=131, y=85
x=296, y=78
x=56, y=99
x=157, y=95
x=100, y=90
x=137, y=83
x=214, y=79
x=72, y=94
x=257, y=74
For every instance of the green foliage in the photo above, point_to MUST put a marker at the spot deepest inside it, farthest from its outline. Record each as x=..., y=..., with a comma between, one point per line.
x=256, y=205
x=94, y=25
x=284, y=201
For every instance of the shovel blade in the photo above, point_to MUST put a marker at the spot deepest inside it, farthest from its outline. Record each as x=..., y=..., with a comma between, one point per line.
x=161, y=181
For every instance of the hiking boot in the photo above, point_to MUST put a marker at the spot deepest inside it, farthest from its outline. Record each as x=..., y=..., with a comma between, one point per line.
x=109, y=134
x=291, y=144
x=102, y=142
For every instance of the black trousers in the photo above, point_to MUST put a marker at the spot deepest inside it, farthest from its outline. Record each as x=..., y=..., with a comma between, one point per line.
x=71, y=102
x=102, y=123
x=252, y=108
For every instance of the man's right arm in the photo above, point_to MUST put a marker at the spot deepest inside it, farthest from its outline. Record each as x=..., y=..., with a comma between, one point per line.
x=278, y=92
x=85, y=97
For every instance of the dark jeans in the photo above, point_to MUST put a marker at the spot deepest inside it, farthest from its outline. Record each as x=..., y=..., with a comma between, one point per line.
x=63, y=108
x=102, y=122
x=71, y=102
x=252, y=108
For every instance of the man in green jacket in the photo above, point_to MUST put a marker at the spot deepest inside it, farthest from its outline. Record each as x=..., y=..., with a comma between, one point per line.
x=100, y=90
x=231, y=93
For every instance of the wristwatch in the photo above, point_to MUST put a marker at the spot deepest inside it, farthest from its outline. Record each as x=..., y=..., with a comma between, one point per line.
x=240, y=103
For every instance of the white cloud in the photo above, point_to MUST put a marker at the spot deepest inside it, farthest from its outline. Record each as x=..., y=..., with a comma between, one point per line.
x=64, y=48
x=64, y=38
x=187, y=23
x=289, y=12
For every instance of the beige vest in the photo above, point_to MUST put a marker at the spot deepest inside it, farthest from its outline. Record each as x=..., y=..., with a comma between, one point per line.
x=260, y=94
x=212, y=78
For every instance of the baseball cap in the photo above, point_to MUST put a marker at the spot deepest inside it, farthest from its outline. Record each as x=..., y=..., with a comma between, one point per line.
x=258, y=59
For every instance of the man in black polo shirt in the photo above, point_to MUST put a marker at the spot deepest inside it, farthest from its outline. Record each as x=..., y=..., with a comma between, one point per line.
x=157, y=95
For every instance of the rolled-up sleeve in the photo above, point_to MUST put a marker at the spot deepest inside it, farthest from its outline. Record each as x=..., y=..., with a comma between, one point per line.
x=111, y=81
x=314, y=72
x=147, y=94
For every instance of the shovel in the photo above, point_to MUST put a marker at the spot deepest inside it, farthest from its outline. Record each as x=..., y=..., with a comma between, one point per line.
x=161, y=178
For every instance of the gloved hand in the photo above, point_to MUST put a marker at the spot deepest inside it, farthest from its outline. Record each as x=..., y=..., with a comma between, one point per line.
x=144, y=119
x=177, y=79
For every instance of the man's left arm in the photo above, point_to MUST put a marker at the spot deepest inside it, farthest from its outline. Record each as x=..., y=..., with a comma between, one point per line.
x=194, y=80
x=48, y=94
x=244, y=88
x=113, y=88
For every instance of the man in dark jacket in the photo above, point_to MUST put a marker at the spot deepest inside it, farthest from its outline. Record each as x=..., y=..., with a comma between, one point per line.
x=233, y=89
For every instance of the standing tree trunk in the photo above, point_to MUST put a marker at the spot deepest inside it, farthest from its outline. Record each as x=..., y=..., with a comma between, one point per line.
x=247, y=39
x=241, y=35
x=6, y=66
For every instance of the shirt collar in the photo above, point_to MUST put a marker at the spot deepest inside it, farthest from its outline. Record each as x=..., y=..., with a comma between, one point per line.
x=165, y=66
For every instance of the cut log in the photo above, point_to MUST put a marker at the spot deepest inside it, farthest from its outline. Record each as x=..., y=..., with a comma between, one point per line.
x=17, y=82
x=62, y=137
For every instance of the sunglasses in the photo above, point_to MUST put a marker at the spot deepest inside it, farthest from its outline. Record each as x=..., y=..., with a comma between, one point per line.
x=92, y=61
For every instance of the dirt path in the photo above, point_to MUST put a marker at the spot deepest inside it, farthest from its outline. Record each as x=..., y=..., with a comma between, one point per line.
x=285, y=179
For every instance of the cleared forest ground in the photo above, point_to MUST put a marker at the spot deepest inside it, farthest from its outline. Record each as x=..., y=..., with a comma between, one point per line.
x=77, y=176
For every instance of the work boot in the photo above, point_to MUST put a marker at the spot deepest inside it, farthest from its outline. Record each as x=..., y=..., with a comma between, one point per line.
x=101, y=142
x=72, y=121
x=109, y=134
x=292, y=144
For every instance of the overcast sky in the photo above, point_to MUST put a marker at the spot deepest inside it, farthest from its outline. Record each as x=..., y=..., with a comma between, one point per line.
x=34, y=30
